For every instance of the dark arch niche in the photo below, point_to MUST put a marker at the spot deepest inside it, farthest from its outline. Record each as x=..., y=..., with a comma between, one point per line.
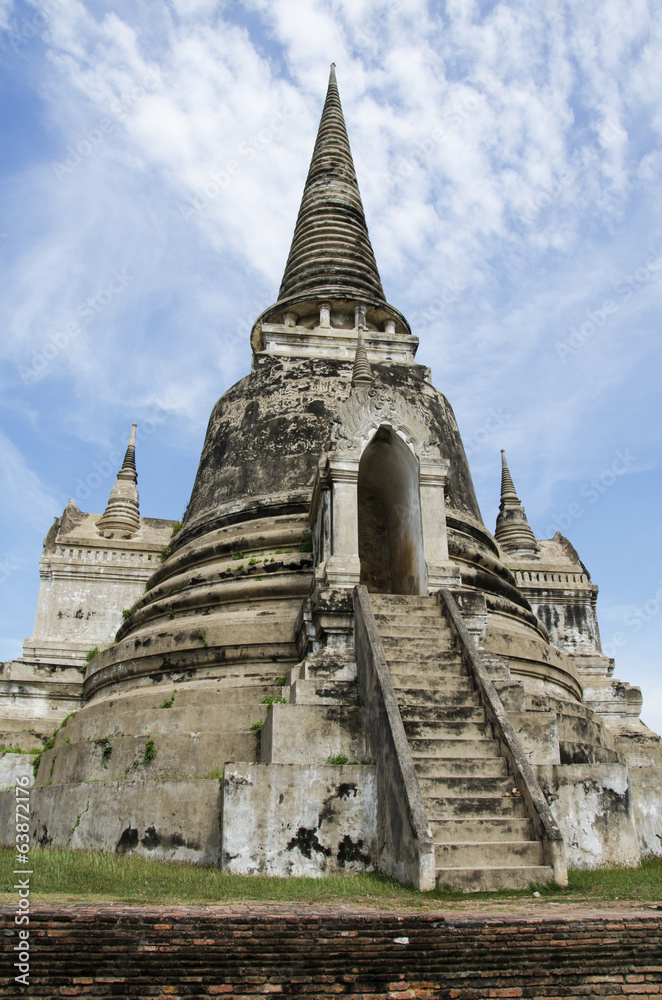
x=389, y=517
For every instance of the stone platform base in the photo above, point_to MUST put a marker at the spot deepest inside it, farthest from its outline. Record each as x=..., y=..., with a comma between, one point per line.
x=170, y=820
x=276, y=819
x=86, y=951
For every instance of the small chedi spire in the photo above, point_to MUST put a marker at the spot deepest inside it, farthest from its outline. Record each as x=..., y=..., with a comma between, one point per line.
x=123, y=512
x=362, y=372
x=513, y=532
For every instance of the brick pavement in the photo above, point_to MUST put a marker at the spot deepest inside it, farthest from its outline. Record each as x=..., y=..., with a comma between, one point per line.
x=257, y=951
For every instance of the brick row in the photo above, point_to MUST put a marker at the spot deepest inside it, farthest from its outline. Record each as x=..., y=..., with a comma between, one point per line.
x=135, y=952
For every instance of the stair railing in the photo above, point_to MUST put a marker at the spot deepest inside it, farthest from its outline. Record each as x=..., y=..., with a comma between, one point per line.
x=405, y=844
x=537, y=808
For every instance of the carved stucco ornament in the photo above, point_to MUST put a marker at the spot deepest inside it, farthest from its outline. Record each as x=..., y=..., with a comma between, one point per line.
x=366, y=409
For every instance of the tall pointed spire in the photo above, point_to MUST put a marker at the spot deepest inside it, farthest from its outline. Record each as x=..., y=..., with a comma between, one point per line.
x=331, y=259
x=331, y=253
x=122, y=512
x=513, y=532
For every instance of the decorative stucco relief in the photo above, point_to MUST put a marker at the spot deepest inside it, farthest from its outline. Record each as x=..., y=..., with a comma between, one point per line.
x=367, y=409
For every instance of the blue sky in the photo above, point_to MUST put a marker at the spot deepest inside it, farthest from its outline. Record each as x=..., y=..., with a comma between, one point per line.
x=508, y=154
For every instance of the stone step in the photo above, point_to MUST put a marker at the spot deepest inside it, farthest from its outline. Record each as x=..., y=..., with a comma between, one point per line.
x=457, y=681
x=404, y=602
x=473, y=807
x=444, y=663
x=442, y=713
x=483, y=838
x=443, y=748
x=462, y=831
x=336, y=671
x=466, y=785
x=442, y=697
x=455, y=767
x=493, y=879
x=414, y=630
x=440, y=730
x=415, y=647
x=477, y=854
x=322, y=691
x=420, y=616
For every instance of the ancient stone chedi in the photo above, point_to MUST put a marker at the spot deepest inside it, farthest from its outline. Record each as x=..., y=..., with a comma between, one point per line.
x=338, y=665
x=93, y=567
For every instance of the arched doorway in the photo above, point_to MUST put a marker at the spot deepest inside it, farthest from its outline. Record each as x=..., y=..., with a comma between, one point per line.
x=389, y=517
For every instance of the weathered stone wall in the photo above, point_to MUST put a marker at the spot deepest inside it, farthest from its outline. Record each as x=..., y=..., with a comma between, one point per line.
x=284, y=819
x=404, y=839
x=593, y=806
x=267, y=432
x=170, y=820
x=558, y=587
x=80, y=950
x=87, y=580
x=646, y=792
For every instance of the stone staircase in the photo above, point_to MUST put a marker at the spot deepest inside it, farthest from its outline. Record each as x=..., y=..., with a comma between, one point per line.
x=483, y=838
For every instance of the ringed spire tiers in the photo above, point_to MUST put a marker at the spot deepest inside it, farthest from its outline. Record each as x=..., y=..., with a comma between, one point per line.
x=513, y=531
x=122, y=512
x=362, y=372
x=331, y=260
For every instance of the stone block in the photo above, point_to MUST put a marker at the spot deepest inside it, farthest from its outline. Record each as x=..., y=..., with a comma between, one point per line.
x=170, y=820
x=310, y=734
x=14, y=766
x=286, y=819
x=646, y=791
x=538, y=733
x=592, y=804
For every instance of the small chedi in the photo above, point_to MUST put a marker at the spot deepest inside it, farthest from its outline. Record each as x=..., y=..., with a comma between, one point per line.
x=332, y=664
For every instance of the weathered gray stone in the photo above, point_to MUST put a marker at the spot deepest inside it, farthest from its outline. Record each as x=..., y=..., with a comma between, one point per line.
x=646, y=792
x=15, y=766
x=593, y=806
x=405, y=846
x=310, y=734
x=287, y=819
x=172, y=820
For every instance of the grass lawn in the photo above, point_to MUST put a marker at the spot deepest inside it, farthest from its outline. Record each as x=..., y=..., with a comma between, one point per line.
x=92, y=876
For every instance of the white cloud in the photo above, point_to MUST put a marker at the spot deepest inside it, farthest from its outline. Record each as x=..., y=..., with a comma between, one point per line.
x=24, y=499
x=6, y=8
